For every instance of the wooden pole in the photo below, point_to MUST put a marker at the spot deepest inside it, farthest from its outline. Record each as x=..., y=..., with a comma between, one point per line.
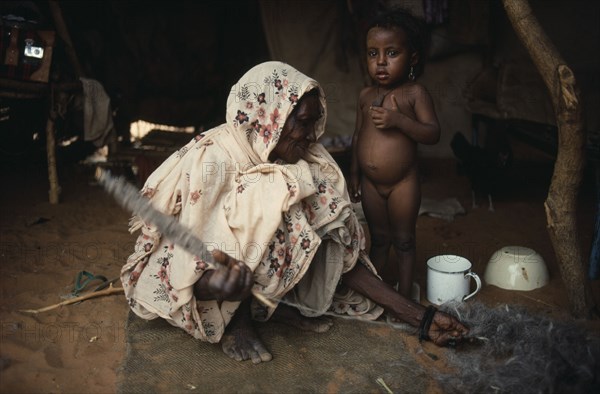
x=561, y=202
x=54, y=192
x=63, y=33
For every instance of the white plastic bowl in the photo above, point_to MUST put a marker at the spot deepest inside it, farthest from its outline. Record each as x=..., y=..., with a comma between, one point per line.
x=516, y=268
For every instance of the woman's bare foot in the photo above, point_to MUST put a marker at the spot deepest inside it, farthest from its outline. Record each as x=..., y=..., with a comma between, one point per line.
x=240, y=341
x=287, y=315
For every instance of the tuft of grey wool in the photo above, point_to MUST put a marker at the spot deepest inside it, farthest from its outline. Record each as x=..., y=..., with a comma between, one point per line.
x=516, y=351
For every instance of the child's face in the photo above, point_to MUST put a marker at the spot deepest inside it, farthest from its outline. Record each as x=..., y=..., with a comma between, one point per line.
x=388, y=56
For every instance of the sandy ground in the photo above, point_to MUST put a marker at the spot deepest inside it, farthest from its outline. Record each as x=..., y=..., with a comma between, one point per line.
x=79, y=348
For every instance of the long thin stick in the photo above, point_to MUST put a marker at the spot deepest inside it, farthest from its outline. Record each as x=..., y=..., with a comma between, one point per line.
x=535, y=299
x=129, y=197
x=108, y=291
x=381, y=382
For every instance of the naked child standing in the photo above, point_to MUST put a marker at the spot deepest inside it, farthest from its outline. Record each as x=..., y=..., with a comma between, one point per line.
x=394, y=115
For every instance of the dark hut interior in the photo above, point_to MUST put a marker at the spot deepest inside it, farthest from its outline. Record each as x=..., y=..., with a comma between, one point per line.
x=172, y=65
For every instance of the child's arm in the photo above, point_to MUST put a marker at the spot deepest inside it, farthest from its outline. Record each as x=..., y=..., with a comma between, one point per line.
x=424, y=129
x=354, y=183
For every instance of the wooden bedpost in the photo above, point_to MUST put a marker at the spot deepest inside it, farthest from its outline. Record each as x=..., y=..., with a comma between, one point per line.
x=54, y=192
x=561, y=202
x=63, y=33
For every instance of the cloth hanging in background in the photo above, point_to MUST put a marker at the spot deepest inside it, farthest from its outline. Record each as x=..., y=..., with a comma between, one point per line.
x=436, y=11
x=97, y=112
x=296, y=34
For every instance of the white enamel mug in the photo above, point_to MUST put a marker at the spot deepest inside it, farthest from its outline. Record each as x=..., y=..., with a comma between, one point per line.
x=448, y=279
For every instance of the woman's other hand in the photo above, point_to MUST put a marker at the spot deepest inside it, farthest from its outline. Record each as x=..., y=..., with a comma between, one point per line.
x=446, y=330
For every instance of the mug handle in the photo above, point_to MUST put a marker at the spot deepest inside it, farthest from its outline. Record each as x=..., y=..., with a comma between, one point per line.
x=477, y=282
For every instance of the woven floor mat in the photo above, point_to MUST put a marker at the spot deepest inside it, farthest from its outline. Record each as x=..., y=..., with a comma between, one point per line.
x=349, y=358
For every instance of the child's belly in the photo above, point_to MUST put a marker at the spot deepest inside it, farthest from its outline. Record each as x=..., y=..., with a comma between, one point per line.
x=386, y=157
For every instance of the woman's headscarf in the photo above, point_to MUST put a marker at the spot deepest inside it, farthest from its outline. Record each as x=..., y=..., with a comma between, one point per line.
x=262, y=100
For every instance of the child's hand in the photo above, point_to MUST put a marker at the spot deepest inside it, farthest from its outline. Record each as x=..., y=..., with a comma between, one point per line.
x=354, y=188
x=384, y=118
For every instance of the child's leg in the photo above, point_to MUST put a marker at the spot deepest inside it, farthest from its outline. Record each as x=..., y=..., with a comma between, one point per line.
x=403, y=209
x=375, y=209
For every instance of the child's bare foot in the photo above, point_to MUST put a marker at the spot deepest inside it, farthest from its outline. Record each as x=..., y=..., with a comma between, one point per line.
x=291, y=316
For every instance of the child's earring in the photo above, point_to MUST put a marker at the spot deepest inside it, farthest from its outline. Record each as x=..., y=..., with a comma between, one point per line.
x=411, y=74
